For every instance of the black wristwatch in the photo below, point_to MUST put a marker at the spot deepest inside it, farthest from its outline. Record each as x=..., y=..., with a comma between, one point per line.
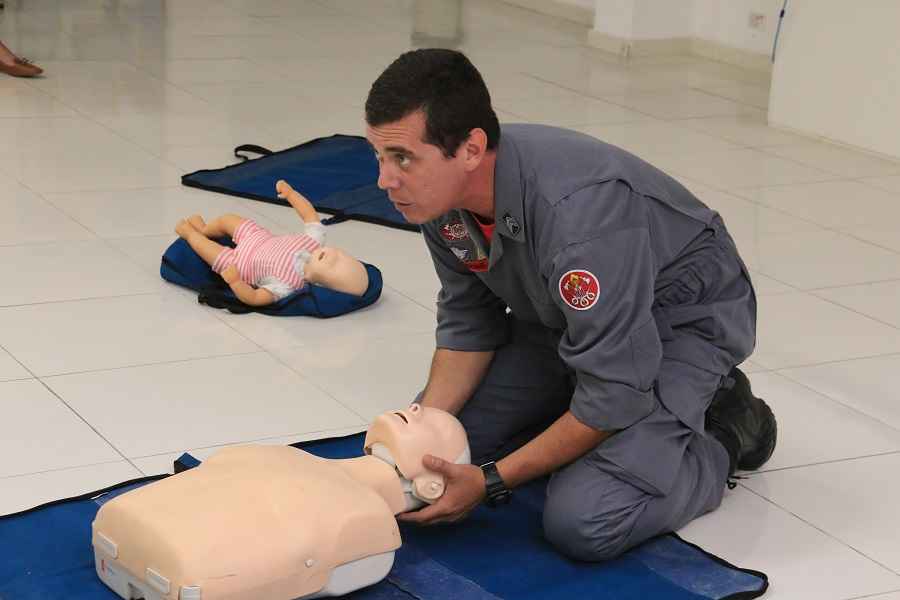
x=496, y=491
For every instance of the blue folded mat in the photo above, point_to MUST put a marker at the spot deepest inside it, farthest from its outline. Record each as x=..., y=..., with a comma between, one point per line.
x=182, y=266
x=46, y=554
x=338, y=174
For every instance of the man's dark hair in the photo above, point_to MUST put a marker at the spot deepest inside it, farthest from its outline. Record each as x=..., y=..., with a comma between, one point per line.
x=445, y=86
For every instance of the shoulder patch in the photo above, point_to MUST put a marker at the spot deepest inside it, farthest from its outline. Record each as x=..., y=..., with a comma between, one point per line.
x=579, y=289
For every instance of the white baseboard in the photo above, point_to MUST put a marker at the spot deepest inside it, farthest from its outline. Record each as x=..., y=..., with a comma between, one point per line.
x=818, y=137
x=632, y=48
x=680, y=46
x=558, y=8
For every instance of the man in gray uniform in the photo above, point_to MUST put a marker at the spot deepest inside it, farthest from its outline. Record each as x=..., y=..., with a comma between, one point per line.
x=591, y=315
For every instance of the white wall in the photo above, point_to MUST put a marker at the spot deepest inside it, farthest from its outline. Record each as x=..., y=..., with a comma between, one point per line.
x=725, y=22
x=662, y=19
x=615, y=18
x=836, y=73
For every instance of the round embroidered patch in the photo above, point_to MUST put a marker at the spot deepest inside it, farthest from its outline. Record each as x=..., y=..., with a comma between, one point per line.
x=579, y=289
x=454, y=231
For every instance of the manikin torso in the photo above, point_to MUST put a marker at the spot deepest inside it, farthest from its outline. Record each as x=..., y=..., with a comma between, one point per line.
x=274, y=522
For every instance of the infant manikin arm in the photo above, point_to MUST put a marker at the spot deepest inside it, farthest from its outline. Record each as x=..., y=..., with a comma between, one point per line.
x=303, y=206
x=247, y=294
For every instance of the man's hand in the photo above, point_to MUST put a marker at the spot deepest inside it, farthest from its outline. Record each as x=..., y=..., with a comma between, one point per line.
x=463, y=490
x=231, y=274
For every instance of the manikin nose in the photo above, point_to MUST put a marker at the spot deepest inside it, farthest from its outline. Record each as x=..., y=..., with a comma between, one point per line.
x=414, y=412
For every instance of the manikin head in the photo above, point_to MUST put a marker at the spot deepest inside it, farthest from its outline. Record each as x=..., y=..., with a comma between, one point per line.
x=405, y=437
x=430, y=122
x=334, y=269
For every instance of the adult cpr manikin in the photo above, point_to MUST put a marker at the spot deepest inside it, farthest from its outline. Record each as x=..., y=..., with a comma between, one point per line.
x=275, y=522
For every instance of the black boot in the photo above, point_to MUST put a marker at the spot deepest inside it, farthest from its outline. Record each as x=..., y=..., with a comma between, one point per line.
x=743, y=423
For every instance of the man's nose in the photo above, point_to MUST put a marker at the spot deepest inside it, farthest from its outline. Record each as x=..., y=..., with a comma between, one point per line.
x=387, y=180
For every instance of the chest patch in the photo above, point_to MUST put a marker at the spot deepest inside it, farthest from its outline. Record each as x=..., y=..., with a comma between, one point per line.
x=579, y=289
x=453, y=232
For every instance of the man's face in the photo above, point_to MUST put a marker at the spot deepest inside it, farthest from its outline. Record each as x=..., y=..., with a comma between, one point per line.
x=422, y=183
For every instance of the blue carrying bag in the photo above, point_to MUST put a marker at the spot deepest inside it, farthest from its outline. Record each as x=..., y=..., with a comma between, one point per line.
x=339, y=175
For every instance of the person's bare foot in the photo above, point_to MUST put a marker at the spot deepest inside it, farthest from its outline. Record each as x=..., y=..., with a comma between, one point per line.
x=185, y=228
x=15, y=66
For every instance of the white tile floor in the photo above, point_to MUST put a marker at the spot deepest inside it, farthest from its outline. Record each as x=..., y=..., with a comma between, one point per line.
x=107, y=373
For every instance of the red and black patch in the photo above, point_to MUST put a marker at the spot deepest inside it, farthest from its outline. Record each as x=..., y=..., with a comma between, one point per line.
x=579, y=289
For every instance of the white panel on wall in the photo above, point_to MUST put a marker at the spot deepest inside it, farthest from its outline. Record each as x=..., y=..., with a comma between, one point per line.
x=615, y=18
x=836, y=74
x=662, y=19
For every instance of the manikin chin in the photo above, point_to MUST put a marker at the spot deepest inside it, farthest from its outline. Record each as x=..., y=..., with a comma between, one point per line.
x=273, y=522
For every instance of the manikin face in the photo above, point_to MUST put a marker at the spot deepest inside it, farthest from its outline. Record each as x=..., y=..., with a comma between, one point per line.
x=412, y=433
x=335, y=269
x=410, y=425
x=422, y=183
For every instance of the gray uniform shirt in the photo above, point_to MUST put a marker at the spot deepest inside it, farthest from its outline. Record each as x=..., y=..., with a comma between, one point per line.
x=583, y=230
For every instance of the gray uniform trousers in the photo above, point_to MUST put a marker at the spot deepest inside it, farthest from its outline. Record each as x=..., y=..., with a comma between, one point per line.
x=663, y=471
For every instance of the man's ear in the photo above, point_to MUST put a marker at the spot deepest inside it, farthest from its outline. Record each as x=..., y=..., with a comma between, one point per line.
x=474, y=148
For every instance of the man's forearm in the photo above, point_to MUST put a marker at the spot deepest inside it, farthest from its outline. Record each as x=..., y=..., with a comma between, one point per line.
x=453, y=378
x=561, y=443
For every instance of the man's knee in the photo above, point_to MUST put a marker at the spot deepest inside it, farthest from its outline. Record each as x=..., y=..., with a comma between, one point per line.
x=582, y=530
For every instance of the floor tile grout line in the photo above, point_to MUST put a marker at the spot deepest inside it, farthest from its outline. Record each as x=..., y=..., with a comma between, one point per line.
x=849, y=285
x=93, y=118
x=841, y=403
x=874, y=596
x=330, y=430
x=413, y=300
x=317, y=385
x=83, y=299
x=829, y=462
x=86, y=422
x=825, y=362
x=819, y=529
x=712, y=92
x=149, y=364
x=853, y=310
x=590, y=97
x=675, y=89
x=20, y=363
x=282, y=362
x=71, y=468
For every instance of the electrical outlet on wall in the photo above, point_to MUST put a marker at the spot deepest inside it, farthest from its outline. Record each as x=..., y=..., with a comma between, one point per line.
x=757, y=21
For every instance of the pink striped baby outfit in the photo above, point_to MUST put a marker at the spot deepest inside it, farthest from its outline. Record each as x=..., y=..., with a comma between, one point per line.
x=273, y=262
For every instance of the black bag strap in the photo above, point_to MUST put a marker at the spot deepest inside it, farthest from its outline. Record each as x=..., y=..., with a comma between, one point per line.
x=339, y=217
x=217, y=298
x=251, y=148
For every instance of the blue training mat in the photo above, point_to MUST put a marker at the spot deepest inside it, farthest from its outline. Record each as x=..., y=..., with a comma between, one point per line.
x=182, y=266
x=494, y=554
x=338, y=174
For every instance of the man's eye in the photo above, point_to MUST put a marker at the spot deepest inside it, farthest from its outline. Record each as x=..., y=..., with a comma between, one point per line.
x=403, y=161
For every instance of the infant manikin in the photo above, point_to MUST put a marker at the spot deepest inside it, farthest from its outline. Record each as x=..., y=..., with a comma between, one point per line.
x=264, y=268
x=275, y=522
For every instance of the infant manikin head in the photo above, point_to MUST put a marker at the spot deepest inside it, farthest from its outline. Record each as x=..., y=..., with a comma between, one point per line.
x=335, y=269
x=403, y=438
